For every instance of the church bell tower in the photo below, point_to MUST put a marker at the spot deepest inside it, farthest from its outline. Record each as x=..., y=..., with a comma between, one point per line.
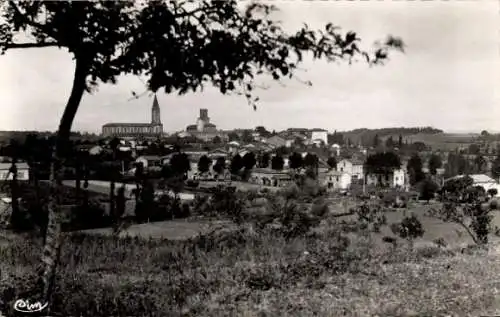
x=155, y=112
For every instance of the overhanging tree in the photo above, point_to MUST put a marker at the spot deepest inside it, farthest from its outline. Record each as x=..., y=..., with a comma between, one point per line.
x=179, y=46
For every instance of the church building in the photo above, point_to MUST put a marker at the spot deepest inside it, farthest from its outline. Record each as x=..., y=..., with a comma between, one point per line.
x=153, y=129
x=204, y=130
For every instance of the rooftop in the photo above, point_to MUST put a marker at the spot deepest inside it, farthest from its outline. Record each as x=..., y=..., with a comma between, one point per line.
x=127, y=124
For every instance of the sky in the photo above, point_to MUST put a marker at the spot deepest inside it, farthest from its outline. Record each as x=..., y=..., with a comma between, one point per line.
x=448, y=78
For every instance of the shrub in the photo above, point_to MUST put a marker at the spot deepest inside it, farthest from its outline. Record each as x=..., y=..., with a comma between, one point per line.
x=494, y=205
x=428, y=190
x=370, y=217
x=492, y=192
x=320, y=208
x=409, y=228
x=89, y=216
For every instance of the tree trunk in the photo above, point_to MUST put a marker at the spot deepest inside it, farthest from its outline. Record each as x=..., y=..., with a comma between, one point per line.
x=52, y=242
x=15, y=217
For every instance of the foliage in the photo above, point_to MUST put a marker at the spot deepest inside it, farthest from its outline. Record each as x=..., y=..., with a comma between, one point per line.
x=495, y=168
x=457, y=165
x=492, y=192
x=409, y=228
x=220, y=165
x=456, y=188
x=463, y=204
x=264, y=160
x=249, y=160
x=370, y=217
x=179, y=164
x=310, y=160
x=415, y=169
x=332, y=162
x=435, y=162
x=277, y=163
x=223, y=201
x=236, y=164
x=204, y=164
x=428, y=189
x=295, y=160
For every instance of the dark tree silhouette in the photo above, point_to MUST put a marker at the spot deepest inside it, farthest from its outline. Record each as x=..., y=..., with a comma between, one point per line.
x=236, y=164
x=435, y=162
x=217, y=140
x=389, y=142
x=495, y=168
x=376, y=141
x=277, y=163
x=332, y=162
x=295, y=161
x=479, y=164
x=204, y=164
x=415, y=169
x=180, y=164
x=310, y=160
x=263, y=132
x=220, y=165
x=177, y=44
x=249, y=161
x=428, y=189
x=233, y=137
x=264, y=160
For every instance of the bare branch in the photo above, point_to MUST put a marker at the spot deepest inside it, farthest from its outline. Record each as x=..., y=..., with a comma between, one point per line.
x=30, y=45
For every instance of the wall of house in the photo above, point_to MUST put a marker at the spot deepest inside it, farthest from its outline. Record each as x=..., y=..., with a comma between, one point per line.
x=320, y=135
x=399, y=178
x=22, y=175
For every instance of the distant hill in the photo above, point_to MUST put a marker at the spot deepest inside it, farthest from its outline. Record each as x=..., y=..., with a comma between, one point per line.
x=437, y=139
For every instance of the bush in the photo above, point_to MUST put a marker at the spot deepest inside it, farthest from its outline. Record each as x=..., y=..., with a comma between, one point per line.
x=494, y=205
x=89, y=216
x=409, y=228
x=492, y=192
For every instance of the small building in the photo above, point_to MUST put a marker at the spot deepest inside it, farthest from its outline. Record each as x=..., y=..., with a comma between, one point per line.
x=149, y=161
x=352, y=167
x=270, y=177
x=319, y=135
x=23, y=171
x=276, y=141
x=335, y=180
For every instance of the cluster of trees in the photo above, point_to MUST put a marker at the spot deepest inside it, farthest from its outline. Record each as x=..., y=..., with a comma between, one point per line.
x=458, y=164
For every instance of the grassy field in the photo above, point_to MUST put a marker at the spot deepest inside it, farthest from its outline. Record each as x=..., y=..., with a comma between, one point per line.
x=249, y=273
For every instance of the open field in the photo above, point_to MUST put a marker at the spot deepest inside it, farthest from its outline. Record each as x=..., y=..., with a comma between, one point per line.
x=453, y=234
x=250, y=273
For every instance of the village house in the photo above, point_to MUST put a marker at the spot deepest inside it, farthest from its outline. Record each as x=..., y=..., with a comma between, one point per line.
x=396, y=179
x=319, y=136
x=150, y=161
x=276, y=141
x=335, y=180
x=269, y=177
x=353, y=167
x=23, y=171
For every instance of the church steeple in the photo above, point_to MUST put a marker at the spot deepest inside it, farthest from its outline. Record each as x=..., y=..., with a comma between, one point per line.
x=155, y=112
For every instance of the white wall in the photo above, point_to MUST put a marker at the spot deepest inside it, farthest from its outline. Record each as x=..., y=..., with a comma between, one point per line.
x=321, y=135
x=22, y=175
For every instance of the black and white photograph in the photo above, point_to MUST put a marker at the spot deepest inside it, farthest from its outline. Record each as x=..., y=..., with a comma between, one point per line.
x=250, y=158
